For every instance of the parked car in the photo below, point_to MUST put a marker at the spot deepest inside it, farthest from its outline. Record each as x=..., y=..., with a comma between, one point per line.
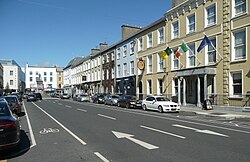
x=31, y=97
x=65, y=96
x=14, y=103
x=111, y=100
x=129, y=101
x=98, y=98
x=38, y=96
x=160, y=103
x=83, y=98
x=9, y=127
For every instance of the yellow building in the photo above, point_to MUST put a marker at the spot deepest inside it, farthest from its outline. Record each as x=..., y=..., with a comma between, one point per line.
x=220, y=71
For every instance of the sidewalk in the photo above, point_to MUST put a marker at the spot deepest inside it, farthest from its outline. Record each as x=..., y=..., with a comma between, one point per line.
x=222, y=111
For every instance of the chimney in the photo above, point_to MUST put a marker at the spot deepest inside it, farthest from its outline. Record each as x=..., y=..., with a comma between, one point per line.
x=94, y=51
x=103, y=46
x=128, y=31
x=177, y=2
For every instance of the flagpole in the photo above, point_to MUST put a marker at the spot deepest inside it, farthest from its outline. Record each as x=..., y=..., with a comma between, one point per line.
x=193, y=53
x=215, y=48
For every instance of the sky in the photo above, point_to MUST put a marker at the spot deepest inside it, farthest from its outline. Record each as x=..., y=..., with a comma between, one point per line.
x=52, y=32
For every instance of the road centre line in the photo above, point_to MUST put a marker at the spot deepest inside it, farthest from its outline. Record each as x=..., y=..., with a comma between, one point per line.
x=33, y=141
x=82, y=110
x=66, y=129
x=106, y=116
x=160, y=131
x=101, y=157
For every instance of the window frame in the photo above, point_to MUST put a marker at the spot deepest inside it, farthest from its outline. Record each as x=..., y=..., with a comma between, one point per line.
x=233, y=56
x=150, y=64
x=161, y=36
x=232, y=84
x=207, y=24
x=149, y=40
x=188, y=23
x=173, y=36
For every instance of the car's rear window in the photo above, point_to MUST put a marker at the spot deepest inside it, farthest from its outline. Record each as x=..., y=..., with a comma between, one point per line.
x=11, y=99
x=162, y=99
x=4, y=110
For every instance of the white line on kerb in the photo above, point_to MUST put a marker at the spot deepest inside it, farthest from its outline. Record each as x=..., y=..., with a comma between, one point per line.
x=101, y=157
x=33, y=141
x=66, y=129
x=157, y=130
x=106, y=116
x=82, y=110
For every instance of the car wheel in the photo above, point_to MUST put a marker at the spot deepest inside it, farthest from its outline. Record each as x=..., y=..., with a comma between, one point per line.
x=118, y=104
x=144, y=107
x=160, y=109
x=127, y=105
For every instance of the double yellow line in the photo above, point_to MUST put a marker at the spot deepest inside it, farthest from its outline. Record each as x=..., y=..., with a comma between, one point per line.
x=3, y=160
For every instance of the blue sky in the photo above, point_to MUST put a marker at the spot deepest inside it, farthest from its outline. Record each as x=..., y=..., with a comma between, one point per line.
x=52, y=32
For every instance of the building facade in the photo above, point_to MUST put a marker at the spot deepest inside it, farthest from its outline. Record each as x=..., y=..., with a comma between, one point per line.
x=1, y=79
x=40, y=78
x=13, y=76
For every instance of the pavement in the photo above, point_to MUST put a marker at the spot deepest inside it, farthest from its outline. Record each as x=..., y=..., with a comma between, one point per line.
x=222, y=111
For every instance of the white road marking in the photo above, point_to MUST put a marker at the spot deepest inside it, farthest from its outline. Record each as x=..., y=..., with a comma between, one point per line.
x=101, y=157
x=200, y=131
x=66, y=129
x=130, y=137
x=160, y=131
x=82, y=110
x=60, y=104
x=54, y=102
x=68, y=106
x=106, y=116
x=33, y=141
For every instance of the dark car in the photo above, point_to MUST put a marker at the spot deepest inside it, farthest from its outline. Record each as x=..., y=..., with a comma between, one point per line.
x=31, y=97
x=9, y=127
x=129, y=101
x=98, y=98
x=38, y=96
x=14, y=103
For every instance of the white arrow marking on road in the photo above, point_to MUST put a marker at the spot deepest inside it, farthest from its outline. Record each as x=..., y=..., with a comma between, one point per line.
x=139, y=142
x=157, y=130
x=201, y=131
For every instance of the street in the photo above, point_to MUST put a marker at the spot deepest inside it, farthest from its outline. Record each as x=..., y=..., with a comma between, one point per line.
x=65, y=130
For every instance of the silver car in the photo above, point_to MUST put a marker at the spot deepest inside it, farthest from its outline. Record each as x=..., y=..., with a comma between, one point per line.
x=83, y=98
x=111, y=100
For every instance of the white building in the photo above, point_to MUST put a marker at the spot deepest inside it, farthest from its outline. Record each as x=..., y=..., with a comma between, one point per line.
x=40, y=78
x=13, y=76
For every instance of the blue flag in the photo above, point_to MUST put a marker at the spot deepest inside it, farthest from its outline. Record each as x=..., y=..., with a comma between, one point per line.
x=204, y=42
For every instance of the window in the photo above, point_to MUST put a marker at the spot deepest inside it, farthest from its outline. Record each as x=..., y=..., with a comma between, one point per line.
x=51, y=79
x=211, y=51
x=236, y=84
x=149, y=40
x=211, y=16
x=132, y=67
x=191, y=55
x=51, y=73
x=140, y=44
x=160, y=63
x=149, y=87
x=132, y=48
x=239, y=45
x=239, y=7
x=191, y=23
x=160, y=36
x=125, y=69
x=45, y=79
x=45, y=73
x=175, y=29
x=149, y=69
x=31, y=79
x=125, y=51
x=118, y=70
x=175, y=87
x=59, y=79
x=36, y=72
x=175, y=62
x=160, y=86
x=11, y=82
x=31, y=73
x=118, y=53
x=11, y=72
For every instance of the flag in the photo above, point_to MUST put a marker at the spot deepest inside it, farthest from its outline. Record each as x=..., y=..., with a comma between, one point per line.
x=204, y=43
x=178, y=53
x=166, y=53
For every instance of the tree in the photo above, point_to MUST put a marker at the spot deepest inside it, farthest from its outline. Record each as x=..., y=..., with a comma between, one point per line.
x=7, y=89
